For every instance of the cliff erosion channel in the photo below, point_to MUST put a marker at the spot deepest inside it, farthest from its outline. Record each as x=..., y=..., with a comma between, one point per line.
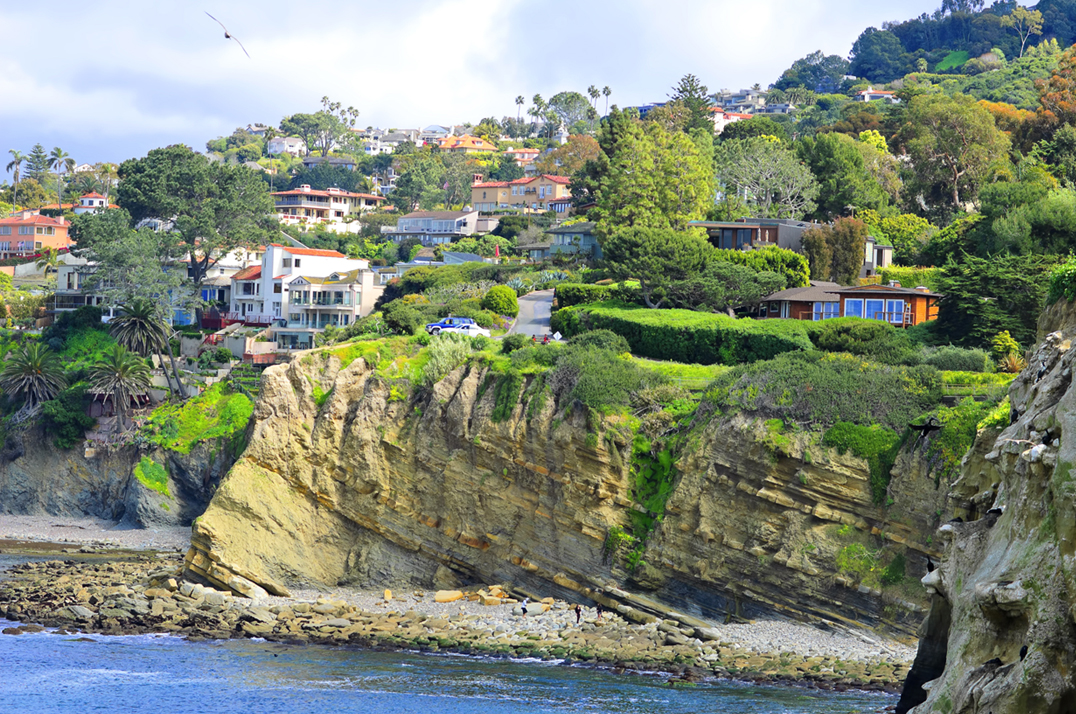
x=348, y=480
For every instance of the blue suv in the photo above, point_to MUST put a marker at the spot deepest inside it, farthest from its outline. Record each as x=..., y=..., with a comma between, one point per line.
x=451, y=324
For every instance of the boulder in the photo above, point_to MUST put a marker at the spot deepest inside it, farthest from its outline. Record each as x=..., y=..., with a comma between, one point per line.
x=447, y=596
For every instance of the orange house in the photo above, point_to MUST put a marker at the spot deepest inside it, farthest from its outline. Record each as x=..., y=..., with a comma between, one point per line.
x=23, y=236
x=899, y=306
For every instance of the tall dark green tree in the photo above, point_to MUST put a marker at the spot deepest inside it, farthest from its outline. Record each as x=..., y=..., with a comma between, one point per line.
x=878, y=56
x=215, y=208
x=817, y=71
x=37, y=164
x=655, y=257
x=695, y=98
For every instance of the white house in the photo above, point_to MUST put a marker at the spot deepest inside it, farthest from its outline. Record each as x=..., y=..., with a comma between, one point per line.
x=871, y=94
x=331, y=207
x=287, y=145
x=300, y=291
x=91, y=203
x=723, y=118
x=433, y=227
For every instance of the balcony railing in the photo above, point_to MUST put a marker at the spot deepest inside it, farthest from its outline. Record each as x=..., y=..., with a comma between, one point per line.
x=901, y=319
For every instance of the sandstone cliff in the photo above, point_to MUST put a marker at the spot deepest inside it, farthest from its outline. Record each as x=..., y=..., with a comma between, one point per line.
x=374, y=488
x=38, y=478
x=1001, y=636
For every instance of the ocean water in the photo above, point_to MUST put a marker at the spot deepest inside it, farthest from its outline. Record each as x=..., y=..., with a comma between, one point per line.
x=45, y=673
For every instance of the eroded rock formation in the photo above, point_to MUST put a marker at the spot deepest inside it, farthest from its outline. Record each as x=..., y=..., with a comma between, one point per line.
x=373, y=489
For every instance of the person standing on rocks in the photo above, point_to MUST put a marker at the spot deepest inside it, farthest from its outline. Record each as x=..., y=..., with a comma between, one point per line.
x=523, y=606
x=600, y=610
x=578, y=613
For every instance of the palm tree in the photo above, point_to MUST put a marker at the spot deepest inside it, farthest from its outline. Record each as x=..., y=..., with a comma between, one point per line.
x=140, y=329
x=520, y=101
x=48, y=259
x=15, y=165
x=594, y=94
x=34, y=374
x=106, y=174
x=62, y=162
x=606, y=91
x=121, y=374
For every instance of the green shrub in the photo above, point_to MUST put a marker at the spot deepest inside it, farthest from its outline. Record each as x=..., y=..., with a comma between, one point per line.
x=822, y=389
x=501, y=299
x=788, y=263
x=222, y=355
x=536, y=355
x=511, y=343
x=602, y=339
x=960, y=424
x=877, y=445
x=599, y=378
x=213, y=414
x=1062, y=282
x=506, y=395
x=568, y=294
x=445, y=353
x=686, y=335
x=894, y=572
x=875, y=339
x=65, y=418
x=910, y=277
x=958, y=359
x=152, y=475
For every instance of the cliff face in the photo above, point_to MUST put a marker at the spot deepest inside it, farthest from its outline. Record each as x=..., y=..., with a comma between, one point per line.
x=38, y=478
x=371, y=489
x=1002, y=631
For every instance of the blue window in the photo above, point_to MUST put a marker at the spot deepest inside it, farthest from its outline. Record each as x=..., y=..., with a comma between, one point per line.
x=875, y=310
x=853, y=308
x=895, y=310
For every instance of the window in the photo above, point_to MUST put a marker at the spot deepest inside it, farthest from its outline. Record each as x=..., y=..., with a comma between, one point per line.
x=853, y=308
x=5, y=230
x=826, y=310
x=37, y=244
x=276, y=288
x=297, y=261
x=26, y=230
x=875, y=310
x=286, y=262
x=895, y=310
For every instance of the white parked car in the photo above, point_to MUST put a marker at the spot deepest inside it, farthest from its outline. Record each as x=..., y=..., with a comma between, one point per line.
x=471, y=329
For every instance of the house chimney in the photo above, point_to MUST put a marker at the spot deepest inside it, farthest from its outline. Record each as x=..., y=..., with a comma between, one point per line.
x=894, y=283
x=922, y=288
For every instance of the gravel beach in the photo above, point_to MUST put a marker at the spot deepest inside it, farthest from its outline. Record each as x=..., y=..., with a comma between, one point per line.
x=91, y=531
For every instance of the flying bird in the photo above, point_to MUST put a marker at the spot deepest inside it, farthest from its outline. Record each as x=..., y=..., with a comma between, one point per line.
x=229, y=36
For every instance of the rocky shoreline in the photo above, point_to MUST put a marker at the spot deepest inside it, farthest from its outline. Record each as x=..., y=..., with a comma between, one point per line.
x=144, y=593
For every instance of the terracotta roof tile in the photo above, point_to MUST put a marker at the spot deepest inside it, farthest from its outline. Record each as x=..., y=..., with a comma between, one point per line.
x=252, y=273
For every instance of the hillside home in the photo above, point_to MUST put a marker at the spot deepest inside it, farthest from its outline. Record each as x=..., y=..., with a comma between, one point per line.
x=287, y=145
x=92, y=203
x=523, y=157
x=876, y=256
x=340, y=162
x=25, y=235
x=574, y=239
x=434, y=227
x=331, y=207
x=899, y=306
x=313, y=302
x=870, y=94
x=260, y=293
x=748, y=233
x=532, y=193
x=723, y=118
x=465, y=144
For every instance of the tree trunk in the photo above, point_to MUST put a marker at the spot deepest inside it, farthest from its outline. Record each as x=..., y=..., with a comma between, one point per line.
x=175, y=373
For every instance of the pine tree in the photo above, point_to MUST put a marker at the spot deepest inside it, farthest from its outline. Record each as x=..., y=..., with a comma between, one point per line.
x=694, y=95
x=37, y=164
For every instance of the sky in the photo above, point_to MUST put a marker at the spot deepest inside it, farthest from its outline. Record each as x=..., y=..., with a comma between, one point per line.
x=112, y=79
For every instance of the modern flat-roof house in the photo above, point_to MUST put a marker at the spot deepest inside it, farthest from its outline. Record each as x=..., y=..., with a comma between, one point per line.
x=876, y=256
x=747, y=233
x=531, y=193
x=341, y=162
x=434, y=227
x=24, y=235
x=899, y=306
x=307, y=206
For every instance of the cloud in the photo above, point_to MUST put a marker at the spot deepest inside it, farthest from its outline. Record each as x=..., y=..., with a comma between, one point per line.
x=125, y=76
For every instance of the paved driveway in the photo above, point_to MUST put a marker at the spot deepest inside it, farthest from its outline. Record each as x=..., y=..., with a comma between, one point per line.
x=534, y=311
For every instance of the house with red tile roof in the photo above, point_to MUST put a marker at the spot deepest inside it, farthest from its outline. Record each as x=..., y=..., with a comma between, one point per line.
x=264, y=295
x=523, y=157
x=723, y=118
x=871, y=94
x=531, y=193
x=25, y=235
x=92, y=203
x=331, y=208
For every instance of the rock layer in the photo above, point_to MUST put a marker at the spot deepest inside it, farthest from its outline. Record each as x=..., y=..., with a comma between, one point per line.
x=370, y=489
x=1008, y=580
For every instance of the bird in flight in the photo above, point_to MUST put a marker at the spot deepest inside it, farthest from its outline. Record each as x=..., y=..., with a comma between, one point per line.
x=229, y=36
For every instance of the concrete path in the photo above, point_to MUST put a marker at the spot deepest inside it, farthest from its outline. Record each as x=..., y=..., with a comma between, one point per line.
x=534, y=311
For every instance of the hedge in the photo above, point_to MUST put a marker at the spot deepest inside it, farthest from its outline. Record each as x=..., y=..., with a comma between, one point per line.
x=911, y=277
x=686, y=335
x=569, y=294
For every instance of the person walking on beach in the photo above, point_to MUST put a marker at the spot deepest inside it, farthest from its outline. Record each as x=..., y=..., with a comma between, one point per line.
x=578, y=613
x=600, y=610
x=523, y=606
